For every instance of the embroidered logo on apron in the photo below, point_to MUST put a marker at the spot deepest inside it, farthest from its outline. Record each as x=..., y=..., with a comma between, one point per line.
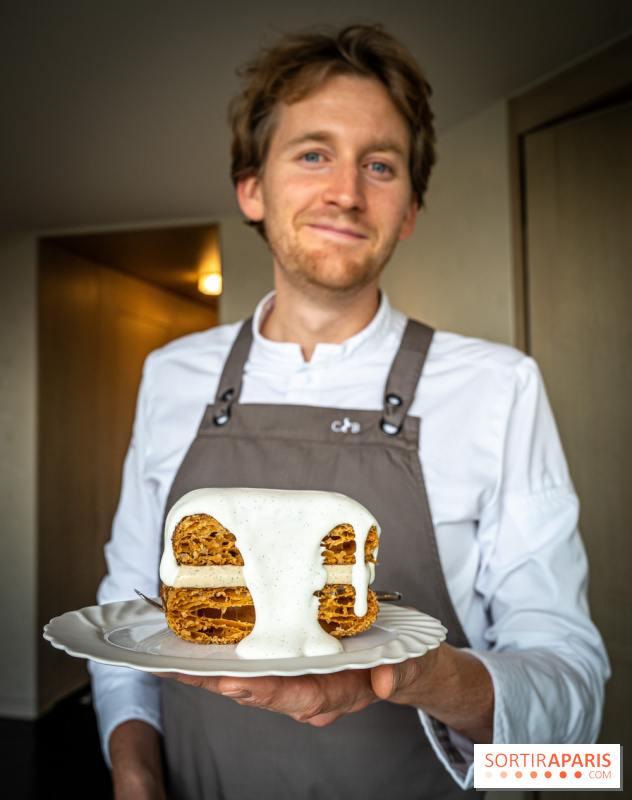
x=346, y=426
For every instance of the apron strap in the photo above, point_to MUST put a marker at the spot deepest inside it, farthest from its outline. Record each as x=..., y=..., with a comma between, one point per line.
x=229, y=387
x=404, y=375
x=400, y=385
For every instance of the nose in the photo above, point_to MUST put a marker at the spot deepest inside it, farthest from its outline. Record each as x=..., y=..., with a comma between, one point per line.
x=344, y=187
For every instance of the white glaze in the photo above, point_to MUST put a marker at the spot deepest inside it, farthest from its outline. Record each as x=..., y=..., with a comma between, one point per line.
x=279, y=535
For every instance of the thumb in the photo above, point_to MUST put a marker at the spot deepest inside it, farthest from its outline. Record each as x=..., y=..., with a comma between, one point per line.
x=385, y=679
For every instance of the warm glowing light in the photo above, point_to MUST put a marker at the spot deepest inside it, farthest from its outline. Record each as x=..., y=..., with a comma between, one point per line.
x=210, y=268
x=210, y=283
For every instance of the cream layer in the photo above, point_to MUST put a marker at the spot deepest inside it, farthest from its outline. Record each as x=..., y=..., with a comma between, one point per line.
x=224, y=577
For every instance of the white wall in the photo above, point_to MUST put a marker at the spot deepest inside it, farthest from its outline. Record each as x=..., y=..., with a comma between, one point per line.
x=18, y=475
x=455, y=271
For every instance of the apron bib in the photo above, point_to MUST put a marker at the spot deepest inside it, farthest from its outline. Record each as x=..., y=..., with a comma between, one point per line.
x=218, y=750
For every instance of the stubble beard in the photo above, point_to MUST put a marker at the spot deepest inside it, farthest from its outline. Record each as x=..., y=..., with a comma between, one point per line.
x=329, y=271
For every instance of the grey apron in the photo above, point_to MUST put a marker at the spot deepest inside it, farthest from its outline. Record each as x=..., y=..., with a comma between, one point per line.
x=216, y=749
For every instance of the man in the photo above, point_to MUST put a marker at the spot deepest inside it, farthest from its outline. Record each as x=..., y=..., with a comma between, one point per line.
x=333, y=145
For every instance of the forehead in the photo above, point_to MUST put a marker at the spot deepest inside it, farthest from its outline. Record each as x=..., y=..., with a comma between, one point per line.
x=344, y=106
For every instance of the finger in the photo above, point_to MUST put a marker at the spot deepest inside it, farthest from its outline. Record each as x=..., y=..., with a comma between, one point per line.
x=392, y=681
x=301, y=697
x=207, y=682
x=265, y=691
x=385, y=679
x=210, y=683
x=403, y=682
x=307, y=696
x=322, y=720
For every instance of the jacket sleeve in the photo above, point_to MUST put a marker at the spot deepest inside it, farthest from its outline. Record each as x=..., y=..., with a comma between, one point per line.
x=132, y=557
x=546, y=658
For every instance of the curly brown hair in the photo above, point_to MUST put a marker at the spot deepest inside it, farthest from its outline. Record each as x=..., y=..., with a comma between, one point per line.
x=300, y=63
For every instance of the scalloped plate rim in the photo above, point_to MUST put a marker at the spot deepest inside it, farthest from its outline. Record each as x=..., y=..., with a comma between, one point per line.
x=82, y=634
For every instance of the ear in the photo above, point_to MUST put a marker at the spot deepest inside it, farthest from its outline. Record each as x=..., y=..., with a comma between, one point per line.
x=408, y=223
x=250, y=197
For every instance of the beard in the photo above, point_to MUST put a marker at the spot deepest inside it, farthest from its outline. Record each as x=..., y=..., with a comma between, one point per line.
x=329, y=267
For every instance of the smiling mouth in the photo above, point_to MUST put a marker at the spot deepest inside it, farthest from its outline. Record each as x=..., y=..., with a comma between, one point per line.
x=338, y=233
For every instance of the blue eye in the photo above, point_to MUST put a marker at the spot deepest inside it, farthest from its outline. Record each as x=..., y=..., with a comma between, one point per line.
x=312, y=158
x=378, y=166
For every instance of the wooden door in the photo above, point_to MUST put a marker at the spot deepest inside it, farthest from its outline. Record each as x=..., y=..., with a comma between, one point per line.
x=96, y=327
x=578, y=182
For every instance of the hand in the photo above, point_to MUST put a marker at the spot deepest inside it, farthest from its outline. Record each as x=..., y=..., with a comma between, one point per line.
x=316, y=699
x=447, y=683
x=136, y=755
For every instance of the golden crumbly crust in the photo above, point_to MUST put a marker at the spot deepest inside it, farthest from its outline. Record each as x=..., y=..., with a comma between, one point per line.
x=209, y=616
x=226, y=616
x=199, y=540
x=339, y=545
x=335, y=611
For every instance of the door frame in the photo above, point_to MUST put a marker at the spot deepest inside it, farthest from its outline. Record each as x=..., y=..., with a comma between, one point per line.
x=603, y=79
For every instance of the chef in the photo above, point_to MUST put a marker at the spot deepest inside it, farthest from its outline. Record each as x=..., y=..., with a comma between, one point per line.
x=448, y=441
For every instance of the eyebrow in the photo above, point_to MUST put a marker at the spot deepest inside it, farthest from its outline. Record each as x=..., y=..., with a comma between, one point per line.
x=379, y=145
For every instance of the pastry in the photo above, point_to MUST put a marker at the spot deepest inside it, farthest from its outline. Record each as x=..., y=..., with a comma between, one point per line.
x=273, y=571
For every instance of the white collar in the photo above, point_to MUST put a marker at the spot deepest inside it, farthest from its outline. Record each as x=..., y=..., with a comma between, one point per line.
x=366, y=340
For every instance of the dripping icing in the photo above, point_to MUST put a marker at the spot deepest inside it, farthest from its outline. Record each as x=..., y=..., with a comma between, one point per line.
x=279, y=534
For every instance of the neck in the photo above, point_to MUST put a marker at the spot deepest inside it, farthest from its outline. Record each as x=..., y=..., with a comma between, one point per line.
x=310, y=320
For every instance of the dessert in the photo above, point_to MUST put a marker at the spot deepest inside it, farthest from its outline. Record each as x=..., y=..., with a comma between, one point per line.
x=276, y=572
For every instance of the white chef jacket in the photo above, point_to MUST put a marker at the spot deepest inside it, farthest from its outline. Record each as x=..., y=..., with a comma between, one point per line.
x=502, y=503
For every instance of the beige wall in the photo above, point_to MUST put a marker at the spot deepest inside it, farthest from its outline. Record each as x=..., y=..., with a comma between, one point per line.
x=18, y=493
x=455, y=271
x=247, y=268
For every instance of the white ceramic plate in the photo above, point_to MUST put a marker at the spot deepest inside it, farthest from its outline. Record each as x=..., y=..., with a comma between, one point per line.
x=132, y=634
